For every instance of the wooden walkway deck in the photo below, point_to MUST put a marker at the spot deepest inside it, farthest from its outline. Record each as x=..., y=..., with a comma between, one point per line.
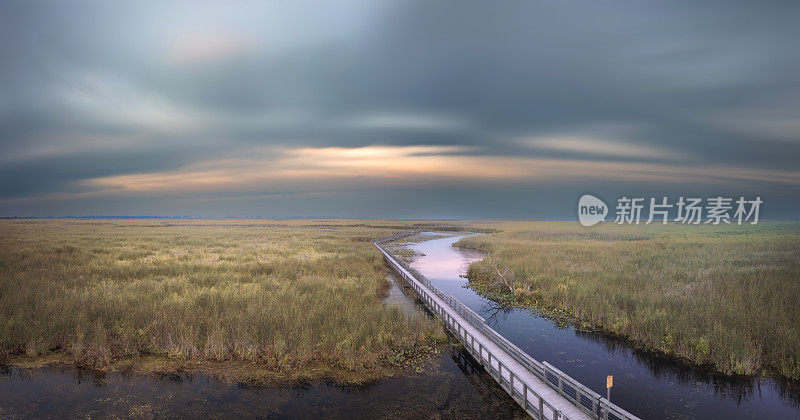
x=540, y=389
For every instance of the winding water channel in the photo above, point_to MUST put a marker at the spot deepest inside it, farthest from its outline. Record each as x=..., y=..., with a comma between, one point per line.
x=647, y=386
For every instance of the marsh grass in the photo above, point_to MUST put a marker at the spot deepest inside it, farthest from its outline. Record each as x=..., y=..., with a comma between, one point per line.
x=727, y=296
x=284, y=297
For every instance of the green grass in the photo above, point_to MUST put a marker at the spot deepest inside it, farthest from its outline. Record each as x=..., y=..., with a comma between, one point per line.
x=726, y=296
x=283, y=297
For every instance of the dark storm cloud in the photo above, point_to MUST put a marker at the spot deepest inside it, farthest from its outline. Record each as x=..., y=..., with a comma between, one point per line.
x=97, y=90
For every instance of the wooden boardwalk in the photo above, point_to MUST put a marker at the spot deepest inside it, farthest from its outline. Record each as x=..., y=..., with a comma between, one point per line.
x=539, y=388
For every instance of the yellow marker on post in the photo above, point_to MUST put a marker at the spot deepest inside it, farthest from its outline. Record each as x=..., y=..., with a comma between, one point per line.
x=609, y=384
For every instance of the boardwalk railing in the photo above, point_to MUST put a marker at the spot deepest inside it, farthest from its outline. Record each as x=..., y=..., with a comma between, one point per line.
x=588, y=401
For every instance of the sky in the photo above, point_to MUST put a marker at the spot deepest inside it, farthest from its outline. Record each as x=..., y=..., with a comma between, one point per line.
x=396, y=109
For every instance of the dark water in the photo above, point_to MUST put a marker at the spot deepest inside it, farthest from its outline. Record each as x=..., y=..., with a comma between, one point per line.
x=647, y=386
x=448, y=386
x=441, y=389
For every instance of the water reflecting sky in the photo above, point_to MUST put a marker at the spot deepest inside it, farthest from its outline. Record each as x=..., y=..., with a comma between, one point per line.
x=648, y=386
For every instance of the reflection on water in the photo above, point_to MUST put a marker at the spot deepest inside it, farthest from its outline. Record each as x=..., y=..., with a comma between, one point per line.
x=648, y=386
x=449, y=388
x=450, y=385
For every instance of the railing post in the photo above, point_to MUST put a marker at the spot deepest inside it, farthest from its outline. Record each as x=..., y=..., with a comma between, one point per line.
x=524, y=396
x=500, y=371
x=541, y=408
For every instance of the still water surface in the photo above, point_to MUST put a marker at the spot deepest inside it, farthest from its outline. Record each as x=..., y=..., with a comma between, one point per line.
x=647, y=386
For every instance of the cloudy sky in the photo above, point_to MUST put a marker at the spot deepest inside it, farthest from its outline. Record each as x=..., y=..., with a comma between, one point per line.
x=394, y=108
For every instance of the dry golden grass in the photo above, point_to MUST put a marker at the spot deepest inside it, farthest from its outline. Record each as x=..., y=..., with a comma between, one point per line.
x=727, y=295
x=288, y=296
